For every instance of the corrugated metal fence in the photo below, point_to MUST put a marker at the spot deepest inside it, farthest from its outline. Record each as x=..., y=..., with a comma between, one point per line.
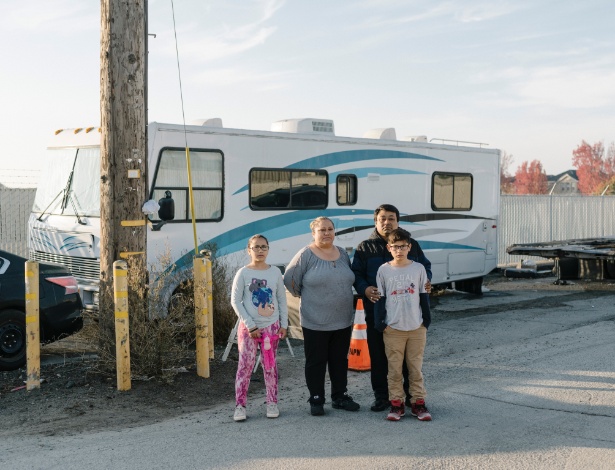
x=535, y=219
x=15, y=207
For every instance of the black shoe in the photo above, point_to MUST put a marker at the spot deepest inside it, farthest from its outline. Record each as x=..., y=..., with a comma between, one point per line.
x=380, y=404
x=346, y=403
x=316, y=406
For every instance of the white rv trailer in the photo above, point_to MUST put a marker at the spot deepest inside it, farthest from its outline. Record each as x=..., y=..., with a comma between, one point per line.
x=274, y=183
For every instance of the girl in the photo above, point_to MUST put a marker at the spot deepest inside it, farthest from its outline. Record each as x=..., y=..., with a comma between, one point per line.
x=259, y=299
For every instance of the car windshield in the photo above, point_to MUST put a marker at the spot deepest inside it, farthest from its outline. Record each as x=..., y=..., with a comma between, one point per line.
x=71, y=176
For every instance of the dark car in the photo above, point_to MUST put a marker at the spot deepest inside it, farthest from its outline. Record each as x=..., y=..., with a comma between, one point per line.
x=59, y=307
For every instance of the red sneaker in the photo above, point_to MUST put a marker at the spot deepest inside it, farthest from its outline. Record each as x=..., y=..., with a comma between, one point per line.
x=419, y=410
x=397, y=410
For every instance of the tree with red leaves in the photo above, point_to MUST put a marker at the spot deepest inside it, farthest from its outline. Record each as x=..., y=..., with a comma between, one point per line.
x=594, y=170
x=531, y=178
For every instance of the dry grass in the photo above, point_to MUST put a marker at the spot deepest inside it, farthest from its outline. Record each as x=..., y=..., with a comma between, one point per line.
x=163, y=343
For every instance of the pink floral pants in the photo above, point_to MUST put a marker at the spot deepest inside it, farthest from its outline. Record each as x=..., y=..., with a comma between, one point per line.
x=247, y=359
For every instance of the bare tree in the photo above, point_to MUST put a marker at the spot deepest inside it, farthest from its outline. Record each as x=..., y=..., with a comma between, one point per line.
x=506, y=178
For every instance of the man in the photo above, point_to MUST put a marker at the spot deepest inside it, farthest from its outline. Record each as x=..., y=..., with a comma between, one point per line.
x=369, y=256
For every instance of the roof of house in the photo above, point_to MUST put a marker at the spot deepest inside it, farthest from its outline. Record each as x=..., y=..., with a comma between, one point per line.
x=571, y=173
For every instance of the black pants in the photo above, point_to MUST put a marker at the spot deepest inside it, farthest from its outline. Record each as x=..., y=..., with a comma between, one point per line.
x=379, y=363
x=322, y=349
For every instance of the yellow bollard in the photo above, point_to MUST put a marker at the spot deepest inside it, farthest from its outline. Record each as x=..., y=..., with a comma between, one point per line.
x=210, y=305
x=33, y=334
x=122, y=338
x=200, y=318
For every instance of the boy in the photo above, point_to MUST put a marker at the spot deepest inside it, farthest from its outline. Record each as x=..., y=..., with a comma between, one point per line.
x=403, y=315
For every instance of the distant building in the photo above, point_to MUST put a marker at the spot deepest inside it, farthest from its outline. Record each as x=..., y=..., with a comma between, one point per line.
x=565, y=183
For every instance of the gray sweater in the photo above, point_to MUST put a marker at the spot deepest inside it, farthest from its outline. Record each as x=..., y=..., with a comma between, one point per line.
x=259, y=298
x=325, y=288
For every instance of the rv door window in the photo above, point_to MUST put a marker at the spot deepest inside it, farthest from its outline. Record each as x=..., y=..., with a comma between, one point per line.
x=451, y=191
x=346, y=190
x=207, y=170
x=288, y=189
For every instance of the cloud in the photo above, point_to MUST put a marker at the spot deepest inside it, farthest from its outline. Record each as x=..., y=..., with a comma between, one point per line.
x=568, y=87
x=484, y=11
x=57, y=17
x=232, y=76
x=575, y=84
x=233, y=37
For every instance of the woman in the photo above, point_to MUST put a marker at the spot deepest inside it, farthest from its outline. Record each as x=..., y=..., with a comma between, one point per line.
x=320, y=274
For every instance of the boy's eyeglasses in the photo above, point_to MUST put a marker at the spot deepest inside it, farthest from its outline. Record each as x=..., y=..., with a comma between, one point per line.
x=259, y=248
x=398, y=247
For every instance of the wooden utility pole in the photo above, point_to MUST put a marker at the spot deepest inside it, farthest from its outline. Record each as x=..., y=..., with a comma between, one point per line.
x=123, y=175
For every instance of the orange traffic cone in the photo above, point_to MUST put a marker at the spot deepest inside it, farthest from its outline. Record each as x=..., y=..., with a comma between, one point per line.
x=358, y=356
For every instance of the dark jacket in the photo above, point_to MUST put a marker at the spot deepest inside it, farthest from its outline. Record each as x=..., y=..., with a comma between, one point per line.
x=370, y=255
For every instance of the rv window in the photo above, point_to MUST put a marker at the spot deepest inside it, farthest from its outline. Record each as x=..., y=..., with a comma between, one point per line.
x=288, y=189
x=346, y=190
x=451, y=191
x=207, y=183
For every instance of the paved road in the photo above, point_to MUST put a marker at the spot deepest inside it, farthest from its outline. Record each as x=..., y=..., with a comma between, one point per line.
x=516, y=380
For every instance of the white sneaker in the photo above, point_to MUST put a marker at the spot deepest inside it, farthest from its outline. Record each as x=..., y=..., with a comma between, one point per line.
x=240, y=413
x=272, y=410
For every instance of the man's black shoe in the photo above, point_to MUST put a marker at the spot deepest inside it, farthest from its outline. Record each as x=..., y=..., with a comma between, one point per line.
x=380, y=404
x=345, y=403
x=316, y=406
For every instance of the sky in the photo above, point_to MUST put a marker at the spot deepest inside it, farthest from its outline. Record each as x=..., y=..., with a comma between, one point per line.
x=533, y=78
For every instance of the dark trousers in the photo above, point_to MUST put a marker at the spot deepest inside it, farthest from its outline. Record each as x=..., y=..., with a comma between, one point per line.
x=322, y=349
x=379, y=363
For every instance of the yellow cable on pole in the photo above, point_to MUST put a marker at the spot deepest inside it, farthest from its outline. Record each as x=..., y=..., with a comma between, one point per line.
x=122, y=337
x=196, y=246
x=33, y=335
x=200, y=318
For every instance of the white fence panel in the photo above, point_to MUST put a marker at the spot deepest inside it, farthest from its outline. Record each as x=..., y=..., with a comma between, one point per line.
x=536, y=219
x=15, y=207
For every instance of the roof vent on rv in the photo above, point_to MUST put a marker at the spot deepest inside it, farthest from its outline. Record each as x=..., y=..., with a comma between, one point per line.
x=304, y=126
x=212, y=122
x=415, y=138
x=387, y=133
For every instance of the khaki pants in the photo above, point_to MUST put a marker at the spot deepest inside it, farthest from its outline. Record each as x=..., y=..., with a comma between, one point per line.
x=411, y=346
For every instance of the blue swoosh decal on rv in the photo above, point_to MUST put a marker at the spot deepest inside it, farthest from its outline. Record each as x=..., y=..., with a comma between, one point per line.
x=348, y=156
x=288, y=224
x=351, y=156
x=69, y=246
x=291, y=224
x=365, y=172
